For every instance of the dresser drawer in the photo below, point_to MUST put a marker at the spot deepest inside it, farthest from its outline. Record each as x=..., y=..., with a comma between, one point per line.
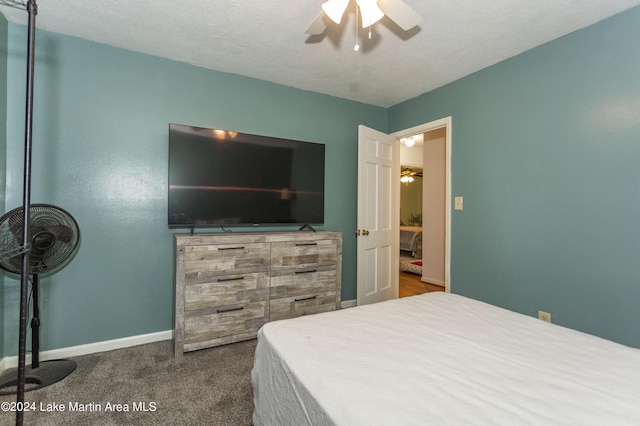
x=303, y=254
x=223, y=290
x=302, y=281
x=302, y=291
x=206, y=260
x=208, y=326
x=296, y=306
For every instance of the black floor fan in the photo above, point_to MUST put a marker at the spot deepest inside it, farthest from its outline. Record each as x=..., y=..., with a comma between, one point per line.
x=54, y=237
x=43, y=243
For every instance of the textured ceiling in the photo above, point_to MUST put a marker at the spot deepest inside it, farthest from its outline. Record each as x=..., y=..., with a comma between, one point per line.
x=266, y=39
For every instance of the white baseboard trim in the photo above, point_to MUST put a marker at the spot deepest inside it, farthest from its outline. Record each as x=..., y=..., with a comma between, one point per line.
x=91, y=348
x=432, y=281
x=348, y=303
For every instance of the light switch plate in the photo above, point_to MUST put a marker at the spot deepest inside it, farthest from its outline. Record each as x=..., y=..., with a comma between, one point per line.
x=457, y=203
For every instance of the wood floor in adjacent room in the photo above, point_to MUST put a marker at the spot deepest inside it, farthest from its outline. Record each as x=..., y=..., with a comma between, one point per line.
x=410, y=285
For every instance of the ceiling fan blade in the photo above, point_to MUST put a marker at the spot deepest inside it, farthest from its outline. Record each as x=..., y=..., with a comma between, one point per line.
x=400, y=13
x=318, y=26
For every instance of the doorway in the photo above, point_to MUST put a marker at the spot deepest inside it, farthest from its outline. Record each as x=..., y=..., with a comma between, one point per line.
x=431, y=248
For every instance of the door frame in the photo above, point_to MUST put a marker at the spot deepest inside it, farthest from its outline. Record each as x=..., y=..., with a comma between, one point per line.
x=445, y=123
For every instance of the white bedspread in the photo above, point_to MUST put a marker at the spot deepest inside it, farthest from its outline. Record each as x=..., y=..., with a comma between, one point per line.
x=440, y=359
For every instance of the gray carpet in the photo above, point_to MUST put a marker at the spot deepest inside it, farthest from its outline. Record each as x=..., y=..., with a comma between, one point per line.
x=207, y=387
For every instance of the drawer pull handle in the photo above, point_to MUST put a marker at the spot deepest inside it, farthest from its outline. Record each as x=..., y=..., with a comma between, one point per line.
x=221, y=311
x=306, y=244
x=311, y=271
x=221, y=280
x=300, y=299
x=231, y=248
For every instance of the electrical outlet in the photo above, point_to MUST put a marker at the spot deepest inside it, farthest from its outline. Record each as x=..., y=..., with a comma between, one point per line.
x=544, y=316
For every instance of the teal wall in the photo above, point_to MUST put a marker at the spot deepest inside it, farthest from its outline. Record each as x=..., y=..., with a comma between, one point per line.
x=100, y=151
x=3, y=151
x=411, y=200
x=546, y=150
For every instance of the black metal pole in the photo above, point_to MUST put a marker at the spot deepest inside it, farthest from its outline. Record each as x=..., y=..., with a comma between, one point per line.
x=35, y=323
x=26, y=203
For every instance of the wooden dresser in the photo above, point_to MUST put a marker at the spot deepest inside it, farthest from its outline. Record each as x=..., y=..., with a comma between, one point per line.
x=228, y=285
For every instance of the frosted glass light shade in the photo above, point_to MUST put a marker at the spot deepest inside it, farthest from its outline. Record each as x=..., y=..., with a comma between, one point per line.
x=370, y=12
x=335, y=9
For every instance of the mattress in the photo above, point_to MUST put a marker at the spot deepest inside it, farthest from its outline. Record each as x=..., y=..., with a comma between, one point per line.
x=439, y=359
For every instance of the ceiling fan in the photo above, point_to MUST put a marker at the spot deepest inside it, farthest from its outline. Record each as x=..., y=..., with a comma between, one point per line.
x=407, y=174
x=371, y=11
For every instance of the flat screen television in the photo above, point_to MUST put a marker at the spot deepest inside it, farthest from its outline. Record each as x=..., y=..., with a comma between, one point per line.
x=223, y=178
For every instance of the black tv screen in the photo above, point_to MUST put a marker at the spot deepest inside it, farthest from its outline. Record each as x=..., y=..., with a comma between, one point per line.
x=223, y=178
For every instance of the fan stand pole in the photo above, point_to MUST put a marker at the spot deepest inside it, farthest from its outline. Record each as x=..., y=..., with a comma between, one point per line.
x=46, y=373
x=35, y=325
x=40, y=374
x=24, y=276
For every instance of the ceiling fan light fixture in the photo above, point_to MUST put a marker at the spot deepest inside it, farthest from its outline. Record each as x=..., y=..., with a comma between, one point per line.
x=370, y=12
x=334, y=9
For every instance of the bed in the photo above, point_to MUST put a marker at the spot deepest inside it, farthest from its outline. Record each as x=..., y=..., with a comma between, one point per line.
x=439, y=359
x=409, y=236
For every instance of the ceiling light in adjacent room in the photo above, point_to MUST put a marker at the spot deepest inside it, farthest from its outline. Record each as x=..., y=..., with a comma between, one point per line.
x=408, y=142
x=408, y=174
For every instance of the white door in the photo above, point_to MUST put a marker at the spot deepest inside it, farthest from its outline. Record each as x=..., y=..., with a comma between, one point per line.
x=378, y=226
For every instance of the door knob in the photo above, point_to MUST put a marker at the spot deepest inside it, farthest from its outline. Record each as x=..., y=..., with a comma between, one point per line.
x=357, y=232
x=365, y=232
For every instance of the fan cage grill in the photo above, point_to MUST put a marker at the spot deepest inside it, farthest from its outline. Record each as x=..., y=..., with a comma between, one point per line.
x=54, y=236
